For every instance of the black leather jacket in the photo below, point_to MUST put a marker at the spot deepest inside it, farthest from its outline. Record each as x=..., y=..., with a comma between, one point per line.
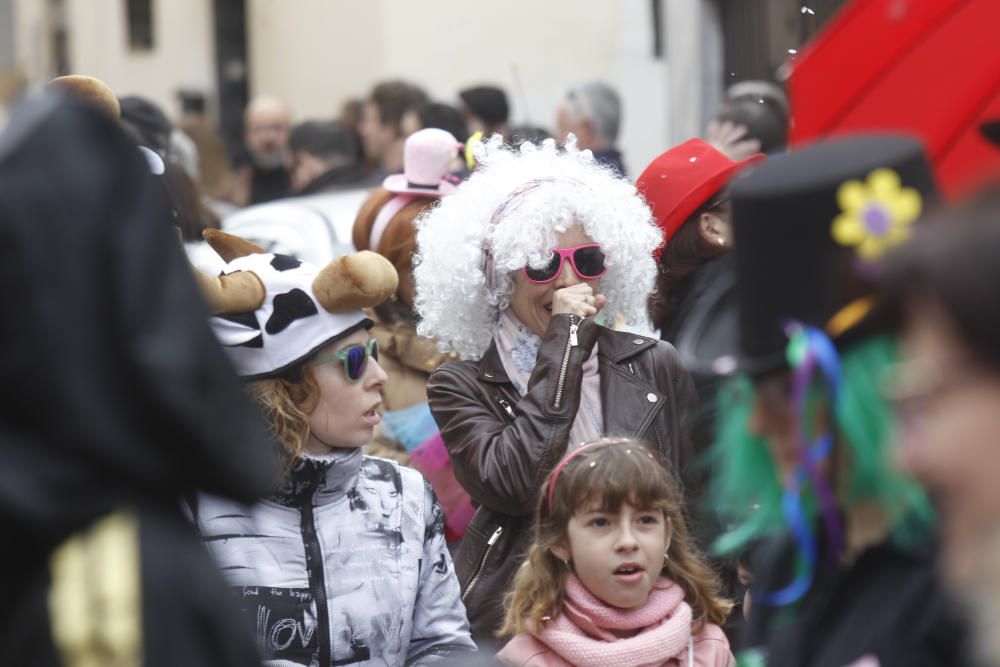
x=503, y=445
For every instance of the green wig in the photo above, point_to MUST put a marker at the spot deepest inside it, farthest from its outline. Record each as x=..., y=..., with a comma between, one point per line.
x=746, y=490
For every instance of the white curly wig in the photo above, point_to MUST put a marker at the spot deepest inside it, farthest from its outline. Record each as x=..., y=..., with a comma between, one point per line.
x=506, y=216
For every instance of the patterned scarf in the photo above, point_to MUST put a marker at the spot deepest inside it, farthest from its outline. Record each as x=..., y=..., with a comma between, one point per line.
x=518, y=347
x=581, y=633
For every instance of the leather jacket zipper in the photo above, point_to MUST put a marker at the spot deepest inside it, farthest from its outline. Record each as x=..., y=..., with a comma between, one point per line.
x=482, y=562
x=503, y=403
x=574, y=324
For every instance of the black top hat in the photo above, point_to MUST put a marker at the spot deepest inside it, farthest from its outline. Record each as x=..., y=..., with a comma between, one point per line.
x=810, y=228
x=149, y=120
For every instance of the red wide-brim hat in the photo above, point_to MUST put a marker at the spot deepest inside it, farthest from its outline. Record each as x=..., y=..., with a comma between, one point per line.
x=679, y=181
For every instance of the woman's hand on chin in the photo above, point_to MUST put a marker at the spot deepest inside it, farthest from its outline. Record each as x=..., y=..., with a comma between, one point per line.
x=578, y=300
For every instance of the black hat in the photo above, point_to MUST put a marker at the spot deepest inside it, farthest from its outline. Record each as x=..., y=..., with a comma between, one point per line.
x=809, y=230
x=149, y=120
x=488, y=103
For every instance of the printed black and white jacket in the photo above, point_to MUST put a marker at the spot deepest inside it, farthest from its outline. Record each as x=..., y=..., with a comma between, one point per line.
x=345, y=565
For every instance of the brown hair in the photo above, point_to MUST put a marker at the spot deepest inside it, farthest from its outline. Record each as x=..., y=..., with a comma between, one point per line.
x=286, y=402
x=193, y=215
x=615, y=471
x=684, y=254
x=399, y=241
x=394, y=98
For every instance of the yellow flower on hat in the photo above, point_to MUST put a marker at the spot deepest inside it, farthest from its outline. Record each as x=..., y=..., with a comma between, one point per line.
x=876, y=214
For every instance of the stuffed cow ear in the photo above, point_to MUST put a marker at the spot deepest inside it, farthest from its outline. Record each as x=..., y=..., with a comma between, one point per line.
x=228, y=246
x=359, y=280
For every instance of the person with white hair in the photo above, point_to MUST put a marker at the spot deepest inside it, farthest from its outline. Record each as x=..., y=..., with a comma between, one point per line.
x=592, y=113
x=517, y=272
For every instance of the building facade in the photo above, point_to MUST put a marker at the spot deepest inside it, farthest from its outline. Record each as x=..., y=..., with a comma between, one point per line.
x=669, y=59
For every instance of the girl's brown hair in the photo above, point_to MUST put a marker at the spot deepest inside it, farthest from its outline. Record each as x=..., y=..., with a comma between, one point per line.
x=685, y=252
x=286, y=402
x=612, y=472
x=399, y=241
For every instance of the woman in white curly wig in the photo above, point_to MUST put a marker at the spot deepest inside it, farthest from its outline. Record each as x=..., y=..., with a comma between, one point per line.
x=515, y=271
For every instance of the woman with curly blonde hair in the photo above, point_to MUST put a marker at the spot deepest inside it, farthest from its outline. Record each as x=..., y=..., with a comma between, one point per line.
x=346, y=562
x=517, y=272
x=612, y=576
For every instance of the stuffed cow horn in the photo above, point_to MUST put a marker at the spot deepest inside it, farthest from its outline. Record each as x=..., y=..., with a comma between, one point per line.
x=229, y=247
x=359, y=280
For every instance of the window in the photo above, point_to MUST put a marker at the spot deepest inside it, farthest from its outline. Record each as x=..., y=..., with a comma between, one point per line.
x=139, y=14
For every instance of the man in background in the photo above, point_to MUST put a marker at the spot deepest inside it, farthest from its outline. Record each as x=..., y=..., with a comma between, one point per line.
x=266, y=124
x=486, y=110
x=753, y=119
x=436, y=115
x=381, y=124
x=324, y=158
x=330, y=183
x=592, y=111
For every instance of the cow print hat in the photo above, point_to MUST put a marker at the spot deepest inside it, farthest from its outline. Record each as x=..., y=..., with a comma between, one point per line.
x=272, y=312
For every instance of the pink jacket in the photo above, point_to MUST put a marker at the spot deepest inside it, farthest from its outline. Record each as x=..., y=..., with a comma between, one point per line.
x=711, y=649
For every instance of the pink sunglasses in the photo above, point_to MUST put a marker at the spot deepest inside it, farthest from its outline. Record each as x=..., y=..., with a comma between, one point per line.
x=587, y=260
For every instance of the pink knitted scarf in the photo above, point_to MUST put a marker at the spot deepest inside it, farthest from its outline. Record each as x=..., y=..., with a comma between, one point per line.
x=582, y=635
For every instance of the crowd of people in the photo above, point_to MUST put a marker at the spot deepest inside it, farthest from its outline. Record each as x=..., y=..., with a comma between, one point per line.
x=417, y=385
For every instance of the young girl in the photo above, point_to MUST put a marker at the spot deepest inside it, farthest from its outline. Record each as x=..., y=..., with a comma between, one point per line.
x=612, y=577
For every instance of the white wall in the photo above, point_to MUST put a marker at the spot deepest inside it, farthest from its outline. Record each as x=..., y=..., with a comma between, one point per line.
x=314, y=54
x=183, y=54
x=318, y=53
x=534, y=49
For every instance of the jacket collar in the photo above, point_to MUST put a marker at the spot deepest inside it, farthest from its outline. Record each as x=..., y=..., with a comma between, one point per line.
x=616, y=347
x=618, y=380
x=320, y=480
x=491, y=368
x=620, y=346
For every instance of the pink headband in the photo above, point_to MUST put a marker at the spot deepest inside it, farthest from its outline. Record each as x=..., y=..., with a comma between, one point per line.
x=562, y=464
x=569, y=457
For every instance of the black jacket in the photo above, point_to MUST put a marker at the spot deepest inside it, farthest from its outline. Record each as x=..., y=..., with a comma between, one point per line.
x=118, y=401
x=503, y=445
x=886, y=603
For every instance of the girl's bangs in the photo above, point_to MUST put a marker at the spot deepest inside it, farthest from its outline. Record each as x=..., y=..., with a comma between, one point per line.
x=614, y=475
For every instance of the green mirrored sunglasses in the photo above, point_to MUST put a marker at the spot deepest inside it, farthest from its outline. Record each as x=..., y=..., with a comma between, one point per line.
x=354, y=357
